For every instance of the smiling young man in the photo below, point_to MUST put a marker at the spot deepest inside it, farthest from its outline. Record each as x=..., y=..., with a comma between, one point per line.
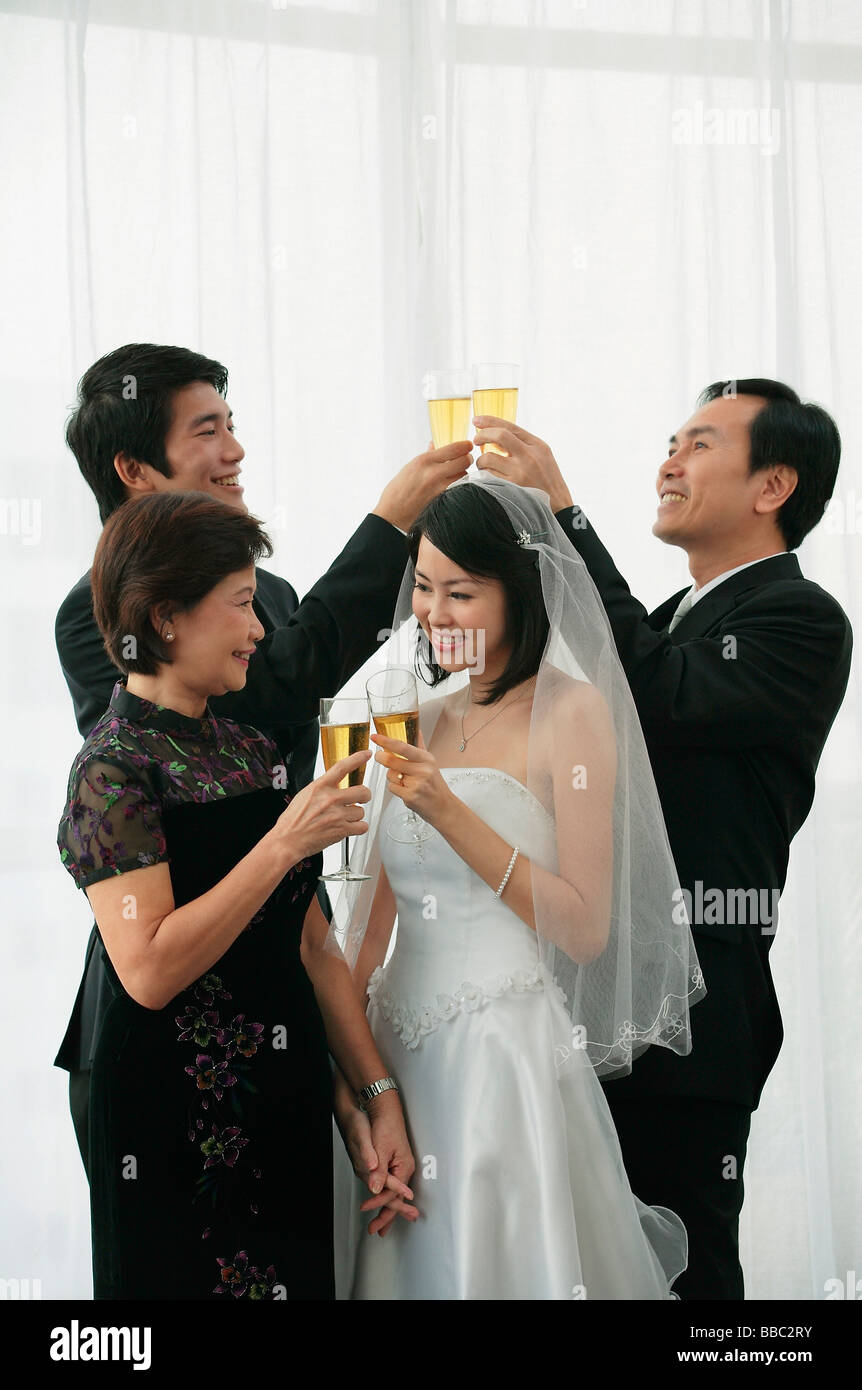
x=737, y=681
x=153, y=418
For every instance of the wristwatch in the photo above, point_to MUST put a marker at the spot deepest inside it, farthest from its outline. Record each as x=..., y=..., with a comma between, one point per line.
x=376, y=1089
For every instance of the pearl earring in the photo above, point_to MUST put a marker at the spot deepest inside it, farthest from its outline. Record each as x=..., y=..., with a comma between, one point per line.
x=169, y=637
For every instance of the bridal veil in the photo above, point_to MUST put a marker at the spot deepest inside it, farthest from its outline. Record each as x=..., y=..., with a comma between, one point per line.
x=638, y=991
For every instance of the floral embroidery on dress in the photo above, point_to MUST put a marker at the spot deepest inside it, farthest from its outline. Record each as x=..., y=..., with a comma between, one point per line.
x=411, y=1025
x=211, y=1076
x=223, y=1148
x=241, y=1037
x=208, y=989
x=238, y=1277
x=141, y=759
x=198, y=1025
x=95, y=821
x=298, y=892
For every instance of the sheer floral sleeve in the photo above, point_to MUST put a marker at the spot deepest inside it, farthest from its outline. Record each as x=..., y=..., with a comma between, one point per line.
x=112, y=822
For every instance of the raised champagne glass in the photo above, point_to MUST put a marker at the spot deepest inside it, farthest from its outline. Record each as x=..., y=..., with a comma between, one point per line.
x=393, y=702
x=495, y=392
x=344, y=729
x=447, y=391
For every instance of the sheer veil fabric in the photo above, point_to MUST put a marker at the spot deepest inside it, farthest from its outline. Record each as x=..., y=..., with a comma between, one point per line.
x=637, y=991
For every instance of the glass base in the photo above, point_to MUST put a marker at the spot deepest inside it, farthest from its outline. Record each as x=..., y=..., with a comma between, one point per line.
x=408, y=829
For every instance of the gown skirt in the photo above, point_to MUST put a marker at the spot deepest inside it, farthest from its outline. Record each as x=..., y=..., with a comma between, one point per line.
x=519, y=1176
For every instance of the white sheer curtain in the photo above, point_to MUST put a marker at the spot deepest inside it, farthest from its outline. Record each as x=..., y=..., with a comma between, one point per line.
x=630, y=199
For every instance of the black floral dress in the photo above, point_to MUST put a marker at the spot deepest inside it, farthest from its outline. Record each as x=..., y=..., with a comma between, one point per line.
x=210, y=1119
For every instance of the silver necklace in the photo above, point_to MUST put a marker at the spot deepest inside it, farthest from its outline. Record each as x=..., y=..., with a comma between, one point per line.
x=465, y=739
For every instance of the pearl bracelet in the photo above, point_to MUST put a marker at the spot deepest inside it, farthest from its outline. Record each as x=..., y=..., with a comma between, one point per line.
x=507, y=875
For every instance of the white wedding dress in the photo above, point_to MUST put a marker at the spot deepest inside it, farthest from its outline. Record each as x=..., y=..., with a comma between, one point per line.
x=519, y=1178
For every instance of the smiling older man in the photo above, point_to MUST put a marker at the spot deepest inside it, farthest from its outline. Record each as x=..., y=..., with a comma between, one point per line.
x=737, y=681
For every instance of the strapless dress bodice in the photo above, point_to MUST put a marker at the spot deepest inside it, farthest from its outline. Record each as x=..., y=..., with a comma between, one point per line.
x=458, y=946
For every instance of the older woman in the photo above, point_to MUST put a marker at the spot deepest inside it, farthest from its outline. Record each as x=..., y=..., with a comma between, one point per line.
x=210, y=1107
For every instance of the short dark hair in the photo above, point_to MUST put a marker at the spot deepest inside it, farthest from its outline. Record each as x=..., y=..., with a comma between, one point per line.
x=165, y=547
x=471, y=528
x=124, y=406
x=803, y=436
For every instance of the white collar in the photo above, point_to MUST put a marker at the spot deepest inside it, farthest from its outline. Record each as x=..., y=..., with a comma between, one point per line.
x=698, y=593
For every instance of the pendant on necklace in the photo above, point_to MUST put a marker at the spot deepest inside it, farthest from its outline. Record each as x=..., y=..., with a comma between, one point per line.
x=461, y=747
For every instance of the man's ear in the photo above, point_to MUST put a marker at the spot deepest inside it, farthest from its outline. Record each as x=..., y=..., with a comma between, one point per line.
x=779, y=482
x=133, y=474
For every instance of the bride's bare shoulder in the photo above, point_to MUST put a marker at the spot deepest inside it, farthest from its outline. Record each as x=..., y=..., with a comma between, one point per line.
x=431, y=709
x=568, y=700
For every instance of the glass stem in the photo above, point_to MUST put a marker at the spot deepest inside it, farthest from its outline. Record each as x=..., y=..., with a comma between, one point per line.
x=345, y=855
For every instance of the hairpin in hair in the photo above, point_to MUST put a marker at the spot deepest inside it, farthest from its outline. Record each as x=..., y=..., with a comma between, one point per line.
x=525, y=538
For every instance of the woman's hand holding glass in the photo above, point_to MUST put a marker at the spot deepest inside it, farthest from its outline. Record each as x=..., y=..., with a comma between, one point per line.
x=323, y=813
x=413, y=775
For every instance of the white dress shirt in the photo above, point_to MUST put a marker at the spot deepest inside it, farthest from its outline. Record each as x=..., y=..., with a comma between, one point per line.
x=720, y=578
x=692, y=596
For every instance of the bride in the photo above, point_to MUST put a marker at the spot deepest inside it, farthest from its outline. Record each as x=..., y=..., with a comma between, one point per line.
x=536, y=944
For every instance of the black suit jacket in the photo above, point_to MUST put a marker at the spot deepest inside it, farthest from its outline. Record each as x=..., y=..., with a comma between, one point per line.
x=735, y=706
x=309, y=651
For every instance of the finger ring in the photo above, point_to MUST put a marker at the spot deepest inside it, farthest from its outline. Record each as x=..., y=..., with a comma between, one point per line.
x=401, y=777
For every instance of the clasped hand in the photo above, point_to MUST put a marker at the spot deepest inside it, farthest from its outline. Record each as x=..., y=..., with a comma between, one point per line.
x=377, y=1145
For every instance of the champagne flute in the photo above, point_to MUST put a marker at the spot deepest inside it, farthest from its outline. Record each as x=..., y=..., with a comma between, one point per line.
x=344, y=729
x=495, y=392
x=393, y=701
x=447, y=392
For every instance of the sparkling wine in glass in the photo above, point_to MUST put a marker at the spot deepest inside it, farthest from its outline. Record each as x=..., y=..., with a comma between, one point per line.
x=447, y=392
x=495, y=392
x=344, y=729
x=393, y=701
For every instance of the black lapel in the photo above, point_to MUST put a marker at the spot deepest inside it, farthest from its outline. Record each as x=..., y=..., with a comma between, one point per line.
x=707, y=611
